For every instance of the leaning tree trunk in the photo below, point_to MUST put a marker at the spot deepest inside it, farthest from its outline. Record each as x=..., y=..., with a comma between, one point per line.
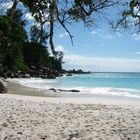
x=52, y=12
x=13, y=8
x=10, y=13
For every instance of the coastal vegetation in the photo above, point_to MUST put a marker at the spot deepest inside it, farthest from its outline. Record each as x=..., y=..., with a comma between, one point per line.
x=19, y=53
x=25, y=50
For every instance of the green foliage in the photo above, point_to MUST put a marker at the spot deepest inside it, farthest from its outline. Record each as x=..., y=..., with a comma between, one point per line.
x=12, y=37
x=17, y=17
x=55, y=63
x=36, y=7
x=35, y=54
x=16, y=53
x=75, y=13
x=38, y=35
x=132, y=4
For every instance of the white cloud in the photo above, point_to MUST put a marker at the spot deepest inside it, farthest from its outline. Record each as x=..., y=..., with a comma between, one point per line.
x=63, y=35
x=136, y=36
x=28, y=16
x=102, y=34
x=94, y=32
x=4, y=6
x=101, y=64
x=136, y=10
x=59, y=48
x=105, y=35
x=138, y=53
x=7, y=5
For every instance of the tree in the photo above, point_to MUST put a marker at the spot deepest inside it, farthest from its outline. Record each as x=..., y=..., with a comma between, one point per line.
x=17, y=17
x=51, y=12
x=35, y=54
x=11, y=44
x=38, y=35
x=129, y=17
x=13, y=36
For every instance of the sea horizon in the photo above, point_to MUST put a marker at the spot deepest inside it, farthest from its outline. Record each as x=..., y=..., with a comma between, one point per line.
x=113, y=72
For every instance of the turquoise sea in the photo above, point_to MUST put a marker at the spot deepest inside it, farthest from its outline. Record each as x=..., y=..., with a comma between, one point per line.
x=99, y=84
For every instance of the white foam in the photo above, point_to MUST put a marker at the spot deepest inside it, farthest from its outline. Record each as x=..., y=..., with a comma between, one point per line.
x=32, y=82
x=43, y=84
x=110, y=91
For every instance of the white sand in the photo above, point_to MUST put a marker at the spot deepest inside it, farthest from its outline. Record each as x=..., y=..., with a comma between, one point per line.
x=21, y=118
x=35, y=118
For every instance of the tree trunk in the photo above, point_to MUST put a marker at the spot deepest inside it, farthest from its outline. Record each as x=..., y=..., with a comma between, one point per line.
x=52, y=9
x=13, y=8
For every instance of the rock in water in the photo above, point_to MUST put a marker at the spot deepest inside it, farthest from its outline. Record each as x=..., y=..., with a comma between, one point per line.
x=3, y=86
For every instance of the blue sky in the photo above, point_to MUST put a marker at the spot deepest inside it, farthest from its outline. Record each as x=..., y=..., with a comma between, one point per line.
x=99, y=49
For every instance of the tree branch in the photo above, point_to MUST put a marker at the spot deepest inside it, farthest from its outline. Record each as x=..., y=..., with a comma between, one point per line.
x=63, y=25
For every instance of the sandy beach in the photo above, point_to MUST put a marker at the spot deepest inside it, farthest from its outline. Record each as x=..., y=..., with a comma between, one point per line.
x=53, y=118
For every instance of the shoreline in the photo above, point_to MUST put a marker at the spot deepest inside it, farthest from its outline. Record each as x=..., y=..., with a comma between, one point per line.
x=50, y=88
x=56, y=118
x=26, y=93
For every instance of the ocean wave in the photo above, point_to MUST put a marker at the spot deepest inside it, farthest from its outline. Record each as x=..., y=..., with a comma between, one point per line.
x=111, y=91
x=107, y=91
x=43, y=84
